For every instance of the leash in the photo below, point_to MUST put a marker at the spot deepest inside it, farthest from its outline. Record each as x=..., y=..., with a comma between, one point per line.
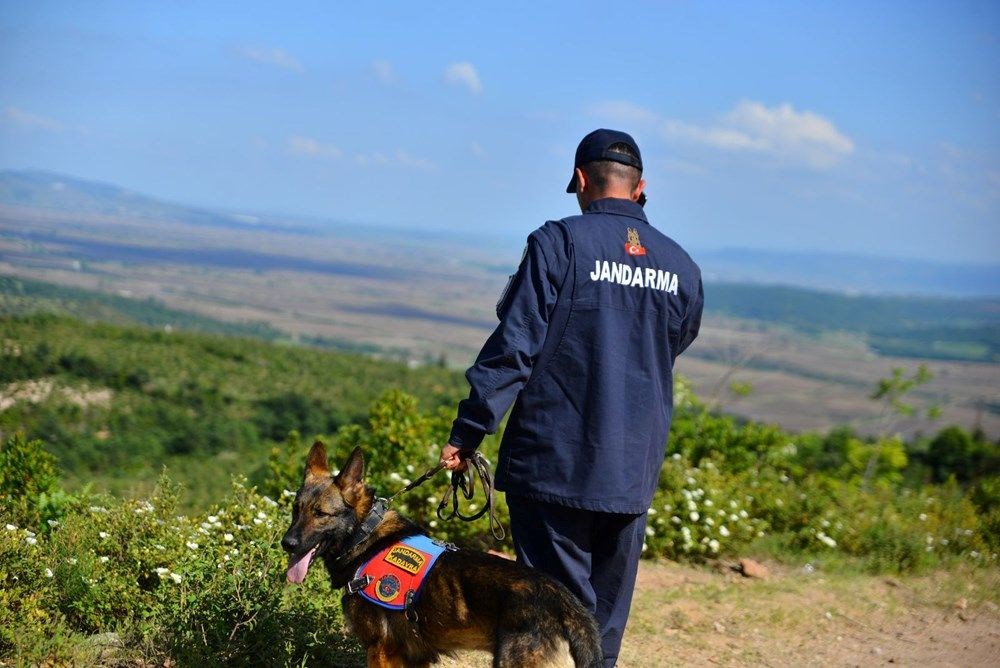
x=459, y=481
x=468, y=488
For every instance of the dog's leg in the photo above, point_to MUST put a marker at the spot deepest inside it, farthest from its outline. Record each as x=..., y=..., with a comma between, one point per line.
x=527, y=650
x=379, y=656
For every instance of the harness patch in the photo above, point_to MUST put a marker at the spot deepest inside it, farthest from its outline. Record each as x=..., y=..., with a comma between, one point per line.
x=393, y=577
x=407, y=559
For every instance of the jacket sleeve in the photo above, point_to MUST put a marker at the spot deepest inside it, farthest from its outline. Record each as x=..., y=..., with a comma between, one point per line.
x=692, y=320
x=505, y=362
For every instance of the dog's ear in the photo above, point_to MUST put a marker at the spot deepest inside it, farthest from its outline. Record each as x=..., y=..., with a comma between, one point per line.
x=316, y=462
x=351, y=478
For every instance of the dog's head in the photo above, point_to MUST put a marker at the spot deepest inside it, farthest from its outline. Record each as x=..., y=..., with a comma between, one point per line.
x=327, y=510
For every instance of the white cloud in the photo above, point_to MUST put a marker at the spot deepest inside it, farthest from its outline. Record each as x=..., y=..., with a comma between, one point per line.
x=26, y=119
x=271, y=56
x=464, y=74
x=781, y=131
x=400, y=158
x=384, y=71
x=310, y=147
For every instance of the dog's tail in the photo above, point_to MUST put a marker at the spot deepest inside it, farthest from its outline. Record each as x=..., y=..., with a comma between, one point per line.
x=582, y=634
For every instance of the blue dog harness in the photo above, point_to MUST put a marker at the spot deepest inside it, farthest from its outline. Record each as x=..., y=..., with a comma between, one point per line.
x=393, y=577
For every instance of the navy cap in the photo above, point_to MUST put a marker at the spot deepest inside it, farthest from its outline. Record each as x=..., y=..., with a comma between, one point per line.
x=595, y=147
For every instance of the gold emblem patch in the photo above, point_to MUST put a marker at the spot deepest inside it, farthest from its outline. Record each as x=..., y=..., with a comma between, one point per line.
x=403, y=557
x=633, y=246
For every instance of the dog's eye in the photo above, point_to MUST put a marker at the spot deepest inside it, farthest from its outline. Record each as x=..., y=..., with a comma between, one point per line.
x=318, y=512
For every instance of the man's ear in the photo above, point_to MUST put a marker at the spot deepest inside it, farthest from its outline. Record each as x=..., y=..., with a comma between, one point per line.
x=638, y=190
x=581, y=180
x=351, y=478
x=316, y=461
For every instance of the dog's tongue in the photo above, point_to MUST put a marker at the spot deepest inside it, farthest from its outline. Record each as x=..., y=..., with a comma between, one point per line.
x=297, y=571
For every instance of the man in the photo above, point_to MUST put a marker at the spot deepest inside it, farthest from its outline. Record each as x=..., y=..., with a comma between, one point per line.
x=590, y=325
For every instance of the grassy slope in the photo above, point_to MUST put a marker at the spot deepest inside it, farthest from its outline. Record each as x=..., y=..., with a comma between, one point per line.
x=191, y=401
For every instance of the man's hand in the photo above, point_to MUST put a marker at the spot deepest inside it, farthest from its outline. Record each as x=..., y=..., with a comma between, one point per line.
x=454, y=458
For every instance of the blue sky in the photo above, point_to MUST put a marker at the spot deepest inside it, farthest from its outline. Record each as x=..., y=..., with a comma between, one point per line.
x=843, y=126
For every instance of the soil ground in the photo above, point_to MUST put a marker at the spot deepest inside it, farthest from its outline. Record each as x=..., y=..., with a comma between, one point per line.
x=684, y=616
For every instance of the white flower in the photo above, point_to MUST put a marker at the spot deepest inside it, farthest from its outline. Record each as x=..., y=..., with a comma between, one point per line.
x=432, y=500
x=11, y=527
x=923, y=516
x=652, y=511
x=709, y=521
x=262, y=515
x=98, y=509
x=675, y=519
x=973, y=554
x=49, y=573
x=191, y=545
x=826, y=540
x=724, y=531
x=644, y=547
x=104, y=560
x=206, y=526
x=744, y=514
x=395, y=477
x=691, y=481
x=31, y=540
x=287, y=493
x=433, y=524
x=159, y=547
x=71, y=560
x=162, y=572
x=175, y=577
x=228, y=537
x=694, y=515
x=708, y=502
x=212, y=518
x=713, y=545
x=53, y=523
x=650, y=532
x=409, y=468
x=269, y=501
x=676, y=456
x=258, y=521
x=732, y=504
x=103, y=534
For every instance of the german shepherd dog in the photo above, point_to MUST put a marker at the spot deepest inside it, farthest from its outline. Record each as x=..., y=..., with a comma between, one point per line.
x=470, y=600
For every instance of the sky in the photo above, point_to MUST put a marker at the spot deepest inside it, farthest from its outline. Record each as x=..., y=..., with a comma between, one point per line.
x=860, y=127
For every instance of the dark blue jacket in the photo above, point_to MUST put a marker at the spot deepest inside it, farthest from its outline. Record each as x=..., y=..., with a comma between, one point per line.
x=589, y=329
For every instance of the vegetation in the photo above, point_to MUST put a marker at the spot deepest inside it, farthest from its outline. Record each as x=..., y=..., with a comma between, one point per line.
x=196, y=575
x=115, y=404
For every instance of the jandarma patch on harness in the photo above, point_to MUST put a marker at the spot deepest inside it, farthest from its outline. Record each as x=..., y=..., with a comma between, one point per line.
x=395, y=575
x=407, y=559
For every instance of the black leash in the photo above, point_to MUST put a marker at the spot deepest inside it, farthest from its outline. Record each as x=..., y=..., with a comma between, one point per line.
x=467, y=485
x=459, y=481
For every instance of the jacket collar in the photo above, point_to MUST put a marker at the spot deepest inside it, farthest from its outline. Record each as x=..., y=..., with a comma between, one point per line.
x=618, y=207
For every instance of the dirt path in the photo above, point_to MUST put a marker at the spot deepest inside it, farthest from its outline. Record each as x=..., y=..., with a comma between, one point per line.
x=683, y=616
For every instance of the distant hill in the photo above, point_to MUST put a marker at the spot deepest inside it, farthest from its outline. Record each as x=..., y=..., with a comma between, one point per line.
x=825, y=271
x=907, y=326
x=45, y=190
x=851, y=273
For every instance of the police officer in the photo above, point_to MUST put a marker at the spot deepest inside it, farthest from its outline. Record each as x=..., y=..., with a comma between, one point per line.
x=590, y=326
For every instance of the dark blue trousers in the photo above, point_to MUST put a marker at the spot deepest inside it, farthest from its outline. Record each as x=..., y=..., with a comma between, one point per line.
x=595, y=554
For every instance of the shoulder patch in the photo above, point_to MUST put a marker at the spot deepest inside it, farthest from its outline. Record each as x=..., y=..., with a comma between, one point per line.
x=510, y=282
